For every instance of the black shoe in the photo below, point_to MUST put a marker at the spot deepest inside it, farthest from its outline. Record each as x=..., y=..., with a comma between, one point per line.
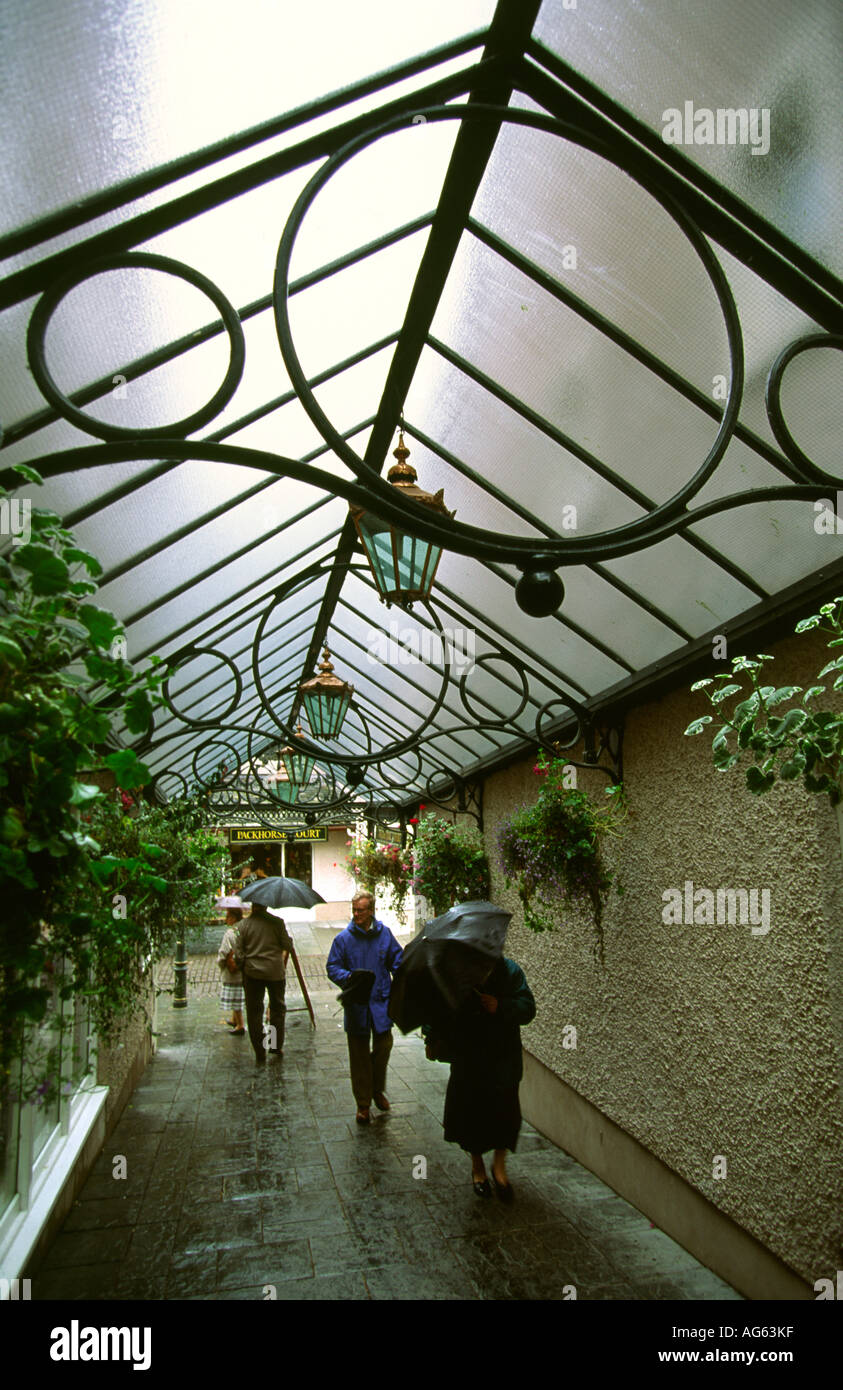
x=482, y=1188
x=503, y=1191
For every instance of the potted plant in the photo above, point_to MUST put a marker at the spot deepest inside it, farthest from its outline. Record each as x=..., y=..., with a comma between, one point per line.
x=552, y=851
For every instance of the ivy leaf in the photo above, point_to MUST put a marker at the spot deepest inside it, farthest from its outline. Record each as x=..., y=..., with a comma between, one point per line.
x=137, y=712
x=102, y=626
x=10, y=651
x=75, y=556
x=759, y=782
x=83, y=793
x=49, y=572
x=697, y=726
x=812, y=691
x=80, y=587
x=30, y=474
x=699, y=685
x=129, y=771
x=808, y=623
x=75, y=629
x=794, y=767
x=746, y=709
x=724, y=692
x=784, y=692
x=831, y=666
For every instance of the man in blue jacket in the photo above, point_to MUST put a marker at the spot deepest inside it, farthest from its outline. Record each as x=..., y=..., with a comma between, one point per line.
x=366, y=944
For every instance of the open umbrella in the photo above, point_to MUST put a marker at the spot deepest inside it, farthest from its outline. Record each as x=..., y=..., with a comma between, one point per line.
x=446, y=963
x=280, y=892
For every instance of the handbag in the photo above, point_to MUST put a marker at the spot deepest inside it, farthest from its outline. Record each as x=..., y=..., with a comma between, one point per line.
x=232, y=964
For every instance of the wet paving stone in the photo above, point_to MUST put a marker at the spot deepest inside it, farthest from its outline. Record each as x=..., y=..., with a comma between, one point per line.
x=249, y=1184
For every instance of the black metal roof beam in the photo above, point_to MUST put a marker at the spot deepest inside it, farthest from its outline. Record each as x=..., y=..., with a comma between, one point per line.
x=784, y=265
x=97, y=204
x=140, y=366
x=635, y=349
x=416, y=685
x=430, y=627
x=752, y=630
x=467, y=472
x=267, y=535
x=484, y=619
x=230, y=617
x=459, y=613
x=33, y=279
x=590, y=460
x=507, y=39
x=173, y=537
x=239, y=740
x=244, y=651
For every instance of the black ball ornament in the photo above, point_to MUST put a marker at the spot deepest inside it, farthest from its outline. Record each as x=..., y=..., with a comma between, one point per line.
x=354, y=776
x=539, y=591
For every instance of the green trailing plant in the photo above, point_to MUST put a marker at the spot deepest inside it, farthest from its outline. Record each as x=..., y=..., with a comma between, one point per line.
x=777, y=733
x=379, y=868
x=65, y=684
x=552, y=851
x=450, y=863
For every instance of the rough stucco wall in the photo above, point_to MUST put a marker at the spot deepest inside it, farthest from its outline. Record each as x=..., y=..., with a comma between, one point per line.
x=121, y=1064
x=707, y=1040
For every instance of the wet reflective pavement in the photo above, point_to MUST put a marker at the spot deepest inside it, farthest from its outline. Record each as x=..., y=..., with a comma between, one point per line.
x=248, y=1183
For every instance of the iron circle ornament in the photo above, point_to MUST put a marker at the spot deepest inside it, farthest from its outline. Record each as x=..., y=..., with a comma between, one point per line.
x=556, y=745
x=183, y=659
x=482, y=663
x=484, y=544
x=130, y=260
x=775, y=415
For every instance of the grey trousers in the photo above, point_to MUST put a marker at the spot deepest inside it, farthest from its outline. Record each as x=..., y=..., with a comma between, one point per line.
x=368, y=1065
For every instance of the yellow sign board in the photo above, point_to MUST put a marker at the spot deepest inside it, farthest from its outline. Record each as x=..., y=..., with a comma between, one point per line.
x=244, y=835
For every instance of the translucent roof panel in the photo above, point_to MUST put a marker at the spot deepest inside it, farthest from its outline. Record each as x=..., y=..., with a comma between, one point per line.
x=128, y=89
x=547, y=332
x=654, y=57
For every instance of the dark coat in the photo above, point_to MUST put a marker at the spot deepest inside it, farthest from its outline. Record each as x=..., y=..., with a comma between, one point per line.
x=485, y=1049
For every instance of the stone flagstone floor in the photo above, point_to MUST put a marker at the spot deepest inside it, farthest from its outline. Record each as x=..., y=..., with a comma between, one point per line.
x=241, y=1178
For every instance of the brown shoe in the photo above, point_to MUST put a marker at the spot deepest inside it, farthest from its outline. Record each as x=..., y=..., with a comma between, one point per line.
x=363, y=1115
x=381, y=1101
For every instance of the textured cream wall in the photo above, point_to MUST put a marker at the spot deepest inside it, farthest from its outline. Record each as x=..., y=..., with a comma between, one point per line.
x=707, y=1040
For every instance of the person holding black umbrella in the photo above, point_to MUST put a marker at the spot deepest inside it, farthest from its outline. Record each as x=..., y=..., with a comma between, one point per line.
x=472, y=1002
x=482, y=1110
x=362, y=961
x=263, y=953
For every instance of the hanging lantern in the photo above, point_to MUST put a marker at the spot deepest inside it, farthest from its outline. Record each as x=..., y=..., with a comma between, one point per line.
x=326, y=700
x=298, y=766
x=403, y=566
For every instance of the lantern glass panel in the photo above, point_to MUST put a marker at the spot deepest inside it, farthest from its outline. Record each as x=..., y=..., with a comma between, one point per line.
x=325, y=713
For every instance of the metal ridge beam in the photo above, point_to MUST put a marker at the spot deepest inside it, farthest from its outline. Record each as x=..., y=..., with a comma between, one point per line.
x=507, y=39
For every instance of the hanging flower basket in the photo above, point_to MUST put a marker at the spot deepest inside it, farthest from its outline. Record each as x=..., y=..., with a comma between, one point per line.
x=451, y=863
x=382, y=868
x=552, y=851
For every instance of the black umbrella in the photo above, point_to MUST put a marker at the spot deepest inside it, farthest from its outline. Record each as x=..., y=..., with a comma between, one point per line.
x=280, y=892
x=447, y=963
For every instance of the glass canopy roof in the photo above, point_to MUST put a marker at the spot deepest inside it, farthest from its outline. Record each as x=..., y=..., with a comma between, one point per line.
x=578, y=307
